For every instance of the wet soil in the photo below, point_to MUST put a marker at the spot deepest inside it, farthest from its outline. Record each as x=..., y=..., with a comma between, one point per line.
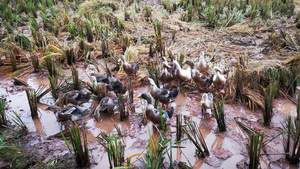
x=227, y=150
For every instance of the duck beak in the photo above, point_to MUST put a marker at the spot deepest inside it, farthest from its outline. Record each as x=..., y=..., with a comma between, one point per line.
x=139, y=97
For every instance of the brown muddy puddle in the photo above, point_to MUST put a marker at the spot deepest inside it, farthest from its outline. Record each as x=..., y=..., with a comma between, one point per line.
x=227, y=150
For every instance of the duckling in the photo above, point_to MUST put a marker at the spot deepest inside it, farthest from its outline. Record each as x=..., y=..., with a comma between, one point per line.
x=77, y=97
x=129, y=69
x=182, y=74
x=72, y=113
x=206, y=102
x=201, y=80
x=219, y=80
x=202, y=66
x=106, y=104
x=163, y=95
x=153, y=114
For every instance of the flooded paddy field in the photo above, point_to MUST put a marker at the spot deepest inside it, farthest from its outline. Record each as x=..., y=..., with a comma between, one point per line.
x=190, y=67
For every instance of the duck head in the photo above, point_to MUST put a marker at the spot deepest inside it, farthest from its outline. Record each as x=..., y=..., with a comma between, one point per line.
x=91, y=70
x=152, y=83
x=217, y=69
x=122, y=59
x=146, y=97
x=190, y=63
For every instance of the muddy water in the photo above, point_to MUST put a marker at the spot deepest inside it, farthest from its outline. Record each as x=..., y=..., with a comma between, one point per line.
x=226, y=149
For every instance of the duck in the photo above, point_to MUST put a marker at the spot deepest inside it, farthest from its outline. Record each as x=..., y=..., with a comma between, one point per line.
x=183, y=75
x=91, y=70
x=77, y=97
x=219, y=79
x=111, y=83
x=72, y=113
x=106, y=104
x=206, y=102
x=201, y=80
x=169, y=65
x=202, y=65
x=166, y=75
x=129, y=69
x=165, y=96
x=153, y=114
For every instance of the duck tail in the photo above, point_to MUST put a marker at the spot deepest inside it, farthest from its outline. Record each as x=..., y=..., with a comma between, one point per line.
x=170, y=112
x=175, y=92
x=137, y=67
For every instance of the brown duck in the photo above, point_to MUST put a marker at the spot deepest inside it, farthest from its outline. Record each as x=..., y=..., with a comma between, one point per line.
x=153, y=114
x=129, y=69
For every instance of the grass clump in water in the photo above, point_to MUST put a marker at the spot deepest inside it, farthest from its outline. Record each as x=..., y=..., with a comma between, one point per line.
x=220, y=116
x=78, y=139
x=270, y=92
x=115, y=149
x=32, y=100
x=194, y=134
x=255, y=144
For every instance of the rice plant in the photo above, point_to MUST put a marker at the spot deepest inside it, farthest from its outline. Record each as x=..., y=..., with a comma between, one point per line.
x=158, y=38
x=130, y=91
x=158, y=149
x=34, y=62
x=125, y=42
x=178, y=126
x=32, y=100
x=89, y=33
x=23, y=41
x=13, y=61
x=148, y=12
x=42, y=91
x=270, y=92
x=255, y=145
x=220, y=116
x=115, y=149
x=173, y=34
x=3, y=117
x=70, y=55
x=105, y=49
x=19, y=122
x=195, y=136
x=78, y=139
x=121, y=106
x=76, y=82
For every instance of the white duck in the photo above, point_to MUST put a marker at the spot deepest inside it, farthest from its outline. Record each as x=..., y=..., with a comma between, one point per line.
x=202, y=66
x=206, y=102
x=219, y=80
x=182, y=74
